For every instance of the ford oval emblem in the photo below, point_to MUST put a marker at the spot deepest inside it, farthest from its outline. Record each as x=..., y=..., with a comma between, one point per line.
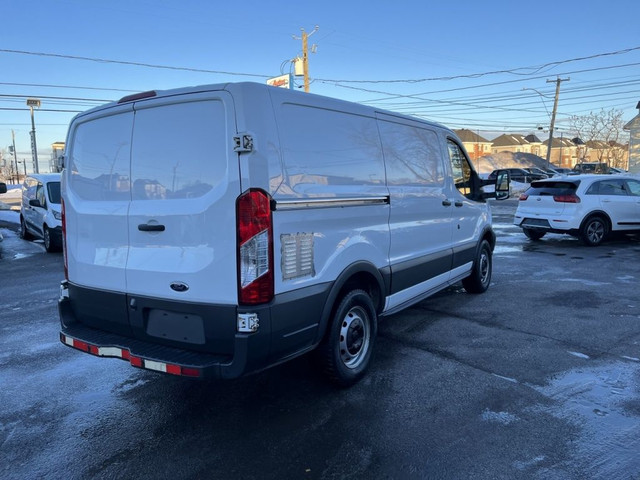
x=179, y=287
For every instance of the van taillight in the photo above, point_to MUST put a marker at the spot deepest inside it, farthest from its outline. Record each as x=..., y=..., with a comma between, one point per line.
x=570, y=198
x=255, y=247
x=64, y=240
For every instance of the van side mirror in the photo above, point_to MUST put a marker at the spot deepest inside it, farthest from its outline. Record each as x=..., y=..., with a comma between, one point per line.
x=34, y=202
x=501, y=189
x=60, y=163
x=502, y=185
x=3, y=187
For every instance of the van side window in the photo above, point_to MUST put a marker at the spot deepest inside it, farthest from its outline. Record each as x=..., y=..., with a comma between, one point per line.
x=460, y=168
x=40, y=196
x=352, y=157
x=29, y=187
x=412, y=155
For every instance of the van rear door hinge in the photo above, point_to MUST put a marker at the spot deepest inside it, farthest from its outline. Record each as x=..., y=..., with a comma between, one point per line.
x=243, y=142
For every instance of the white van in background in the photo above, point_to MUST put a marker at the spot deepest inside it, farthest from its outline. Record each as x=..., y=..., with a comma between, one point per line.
x=40, y=215
x=222, y=229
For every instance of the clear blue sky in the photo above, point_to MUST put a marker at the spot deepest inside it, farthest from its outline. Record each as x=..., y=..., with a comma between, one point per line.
x=373, y=41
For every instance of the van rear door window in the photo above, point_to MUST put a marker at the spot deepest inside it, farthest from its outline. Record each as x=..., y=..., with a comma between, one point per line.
x=179, y=150
x=99, y=158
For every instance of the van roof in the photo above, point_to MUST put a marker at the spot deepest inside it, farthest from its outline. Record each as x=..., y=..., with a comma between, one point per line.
x=252, y=86
x=45, y=177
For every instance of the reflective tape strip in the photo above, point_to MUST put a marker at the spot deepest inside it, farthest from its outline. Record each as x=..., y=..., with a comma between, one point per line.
x=111, y=352
x=157, y=366
x=126, y=355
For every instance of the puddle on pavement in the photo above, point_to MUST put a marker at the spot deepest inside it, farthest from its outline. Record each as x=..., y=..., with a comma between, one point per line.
x=602, y=401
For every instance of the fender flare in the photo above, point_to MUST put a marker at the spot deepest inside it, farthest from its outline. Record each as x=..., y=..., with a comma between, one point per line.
x=381, y=281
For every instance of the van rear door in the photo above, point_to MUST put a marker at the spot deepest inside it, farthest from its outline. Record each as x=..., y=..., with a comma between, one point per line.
x=184, y=184
x=96, y=191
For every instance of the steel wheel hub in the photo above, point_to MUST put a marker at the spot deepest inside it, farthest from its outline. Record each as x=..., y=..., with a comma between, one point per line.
x=354, y=337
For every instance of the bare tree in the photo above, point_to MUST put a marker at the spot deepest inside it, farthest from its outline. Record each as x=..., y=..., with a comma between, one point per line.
x=602, y=133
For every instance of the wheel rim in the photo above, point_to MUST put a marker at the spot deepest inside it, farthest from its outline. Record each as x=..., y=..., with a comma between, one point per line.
x=47, y=239
x=595, y=231
x=484, y=268
x=355, y=333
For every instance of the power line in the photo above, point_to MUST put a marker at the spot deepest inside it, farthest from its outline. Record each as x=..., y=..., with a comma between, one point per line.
x=134, y=64
x=514, y=71
x=46, y=85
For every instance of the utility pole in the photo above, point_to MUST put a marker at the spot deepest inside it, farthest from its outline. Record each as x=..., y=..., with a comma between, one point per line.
x=557, y=81
x=305, y=55
x=34, y=103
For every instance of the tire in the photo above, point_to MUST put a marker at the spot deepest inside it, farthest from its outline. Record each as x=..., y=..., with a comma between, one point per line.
x=24, y=233
x=594, y=230
x=533, y=234
x=345, y=352
x=49, y=243
x=480, y=277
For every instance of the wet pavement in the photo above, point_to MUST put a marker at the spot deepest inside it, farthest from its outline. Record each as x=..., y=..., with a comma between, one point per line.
x=537, y=378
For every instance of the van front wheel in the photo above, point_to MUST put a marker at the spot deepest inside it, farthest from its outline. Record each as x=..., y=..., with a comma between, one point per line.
x=345, y=352
x=480, y=277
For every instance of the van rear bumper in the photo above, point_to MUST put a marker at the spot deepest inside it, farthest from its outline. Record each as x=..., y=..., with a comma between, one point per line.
x=95, y=322
x=156, y=356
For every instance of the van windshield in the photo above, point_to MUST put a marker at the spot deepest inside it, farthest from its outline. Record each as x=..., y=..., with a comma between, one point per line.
x=53, y=189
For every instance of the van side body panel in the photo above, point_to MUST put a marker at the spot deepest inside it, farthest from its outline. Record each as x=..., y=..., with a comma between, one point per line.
x=359, y=199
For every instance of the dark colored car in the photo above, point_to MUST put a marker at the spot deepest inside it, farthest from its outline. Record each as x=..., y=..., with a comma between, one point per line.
x=519, y=175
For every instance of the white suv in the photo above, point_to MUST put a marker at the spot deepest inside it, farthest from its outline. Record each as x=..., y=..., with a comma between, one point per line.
x=587, y=206
x=40, y=215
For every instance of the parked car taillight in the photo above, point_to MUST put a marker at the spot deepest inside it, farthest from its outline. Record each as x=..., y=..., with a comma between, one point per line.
x=523, y=197
x=570, y=198
x=255, y=247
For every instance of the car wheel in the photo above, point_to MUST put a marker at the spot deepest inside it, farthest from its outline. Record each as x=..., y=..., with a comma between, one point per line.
x=533, y=234
x=345, y=352
x=49, y=244
x=480, y=277
x=594, y=230
x=24, y=233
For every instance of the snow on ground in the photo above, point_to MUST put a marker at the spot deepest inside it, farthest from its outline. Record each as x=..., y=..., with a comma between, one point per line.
x=9, y=216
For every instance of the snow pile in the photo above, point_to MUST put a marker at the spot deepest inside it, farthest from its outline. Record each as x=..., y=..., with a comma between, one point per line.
x=489, y=163
x=14, y=192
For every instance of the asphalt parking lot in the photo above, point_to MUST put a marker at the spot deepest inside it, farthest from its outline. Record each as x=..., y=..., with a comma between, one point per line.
x=537, y=378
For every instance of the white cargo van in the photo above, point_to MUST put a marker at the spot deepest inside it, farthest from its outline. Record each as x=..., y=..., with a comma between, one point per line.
x=218, y=230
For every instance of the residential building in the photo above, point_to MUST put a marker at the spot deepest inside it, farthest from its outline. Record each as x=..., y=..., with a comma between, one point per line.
x=510, y=143
x=633, y=127
x=475, y=145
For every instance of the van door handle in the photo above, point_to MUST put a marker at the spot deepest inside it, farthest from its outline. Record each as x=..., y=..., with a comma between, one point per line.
x=459, y=204
x=446, y=203
x=145, y=227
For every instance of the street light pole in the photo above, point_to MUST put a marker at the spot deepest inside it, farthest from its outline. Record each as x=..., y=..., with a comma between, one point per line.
x=31, y=103
x=15, y=156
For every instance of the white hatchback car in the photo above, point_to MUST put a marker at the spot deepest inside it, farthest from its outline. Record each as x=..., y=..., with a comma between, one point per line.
x=587, y=206
x=40, y=215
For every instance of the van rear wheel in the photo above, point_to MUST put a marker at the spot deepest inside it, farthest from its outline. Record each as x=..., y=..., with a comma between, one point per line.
x=480, y=277
x=24, y=233
x=345, y=352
